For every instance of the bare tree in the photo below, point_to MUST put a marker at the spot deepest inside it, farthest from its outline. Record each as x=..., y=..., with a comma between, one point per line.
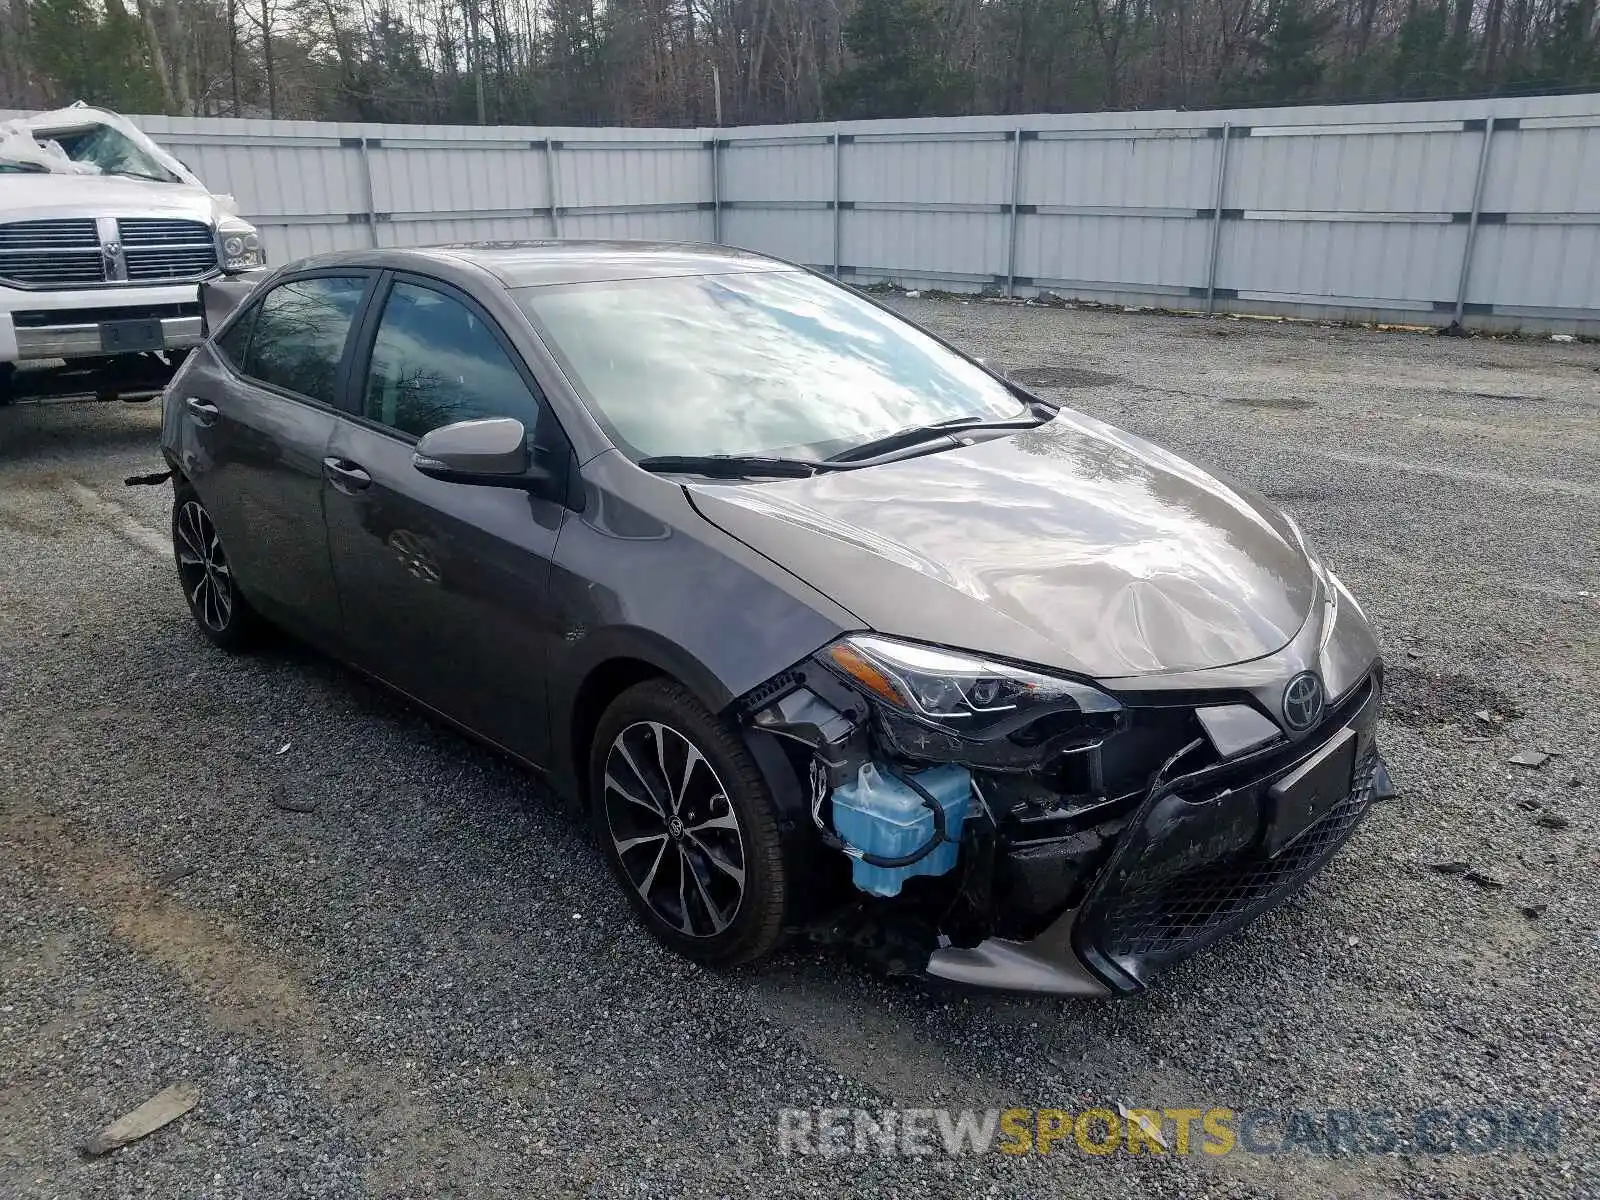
x=654, y=61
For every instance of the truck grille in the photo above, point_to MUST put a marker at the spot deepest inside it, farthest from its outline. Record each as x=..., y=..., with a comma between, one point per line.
x=55, y=254
x=161, y=248
x=66, y=253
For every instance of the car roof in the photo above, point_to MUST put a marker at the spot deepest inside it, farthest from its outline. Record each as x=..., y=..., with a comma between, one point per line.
x=547, y=262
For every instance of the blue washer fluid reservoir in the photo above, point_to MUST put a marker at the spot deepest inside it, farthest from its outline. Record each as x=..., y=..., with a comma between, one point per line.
x=880, y=814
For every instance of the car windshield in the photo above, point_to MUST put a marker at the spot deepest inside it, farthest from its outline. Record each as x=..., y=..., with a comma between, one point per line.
x=112, y=151
x=760, y=363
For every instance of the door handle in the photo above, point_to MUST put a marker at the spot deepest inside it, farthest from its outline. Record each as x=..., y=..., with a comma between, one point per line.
x=345, y=475
x=203, y=411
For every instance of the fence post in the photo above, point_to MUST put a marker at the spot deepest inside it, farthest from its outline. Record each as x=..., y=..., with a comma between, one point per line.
x=716, y=190
x=838, y=198
x=1216, y=218
x=550, y=148
x=370, y=198
x=1011, y=236
x=1472, y=219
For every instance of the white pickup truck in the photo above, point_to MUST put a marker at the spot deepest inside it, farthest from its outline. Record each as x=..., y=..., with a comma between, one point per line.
x=105, y=239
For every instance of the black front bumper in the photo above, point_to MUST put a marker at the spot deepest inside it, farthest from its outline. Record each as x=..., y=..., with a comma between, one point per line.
x=1191, y=865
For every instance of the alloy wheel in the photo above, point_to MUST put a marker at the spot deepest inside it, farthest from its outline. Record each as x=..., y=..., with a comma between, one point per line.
x=674, y=829
x=203, y=567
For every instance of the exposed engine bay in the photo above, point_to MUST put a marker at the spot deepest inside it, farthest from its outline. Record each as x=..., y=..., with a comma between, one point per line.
x=1000, y=828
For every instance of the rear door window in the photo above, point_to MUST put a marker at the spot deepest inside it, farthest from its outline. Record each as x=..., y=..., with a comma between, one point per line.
x=300, y=331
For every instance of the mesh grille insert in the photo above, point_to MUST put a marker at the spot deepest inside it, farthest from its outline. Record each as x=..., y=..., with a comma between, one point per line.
x=1177, y=915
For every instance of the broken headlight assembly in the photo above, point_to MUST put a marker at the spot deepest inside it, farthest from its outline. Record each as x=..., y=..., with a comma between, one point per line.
x=941, y=705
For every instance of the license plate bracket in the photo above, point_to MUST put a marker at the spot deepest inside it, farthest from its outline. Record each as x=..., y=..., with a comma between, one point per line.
x=131, y=337
x=1299, y=800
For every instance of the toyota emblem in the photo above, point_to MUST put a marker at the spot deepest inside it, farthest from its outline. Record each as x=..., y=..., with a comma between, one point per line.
x=1303, y=701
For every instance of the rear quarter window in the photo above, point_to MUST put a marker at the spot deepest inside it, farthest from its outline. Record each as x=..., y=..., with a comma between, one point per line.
x=234, y=343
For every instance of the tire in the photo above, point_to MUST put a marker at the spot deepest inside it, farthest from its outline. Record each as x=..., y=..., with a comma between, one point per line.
x=698, y=851
x=223, y=615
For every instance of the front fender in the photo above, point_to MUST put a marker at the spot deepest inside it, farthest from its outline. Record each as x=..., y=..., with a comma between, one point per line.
x=641, y=578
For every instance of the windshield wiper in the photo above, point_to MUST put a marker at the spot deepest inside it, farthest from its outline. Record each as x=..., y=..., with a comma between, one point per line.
x=912, y=435
x=730, y=466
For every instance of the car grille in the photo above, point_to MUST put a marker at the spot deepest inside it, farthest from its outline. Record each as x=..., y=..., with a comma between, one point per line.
x=160, y=248
x=1178, y=915
x=54, y=253
x=1170, y=888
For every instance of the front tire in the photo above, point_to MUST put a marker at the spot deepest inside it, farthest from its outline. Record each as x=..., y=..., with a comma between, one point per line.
x=223, y=615
x=689, y=826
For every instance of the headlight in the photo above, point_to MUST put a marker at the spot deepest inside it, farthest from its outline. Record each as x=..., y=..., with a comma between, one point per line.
x=241, y=246
x=948, y=706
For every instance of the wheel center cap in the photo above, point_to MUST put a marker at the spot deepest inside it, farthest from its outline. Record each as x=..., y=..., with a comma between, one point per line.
x=675, y=827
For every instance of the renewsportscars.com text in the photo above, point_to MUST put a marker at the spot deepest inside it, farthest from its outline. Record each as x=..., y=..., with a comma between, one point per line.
x=920, y=1132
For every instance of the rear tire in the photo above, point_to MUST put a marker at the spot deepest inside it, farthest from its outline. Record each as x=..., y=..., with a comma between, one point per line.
x=222, y=613
x=689, y=826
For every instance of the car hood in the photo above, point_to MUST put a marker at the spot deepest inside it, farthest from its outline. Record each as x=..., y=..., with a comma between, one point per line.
x=29, y=196
x=1075, y=546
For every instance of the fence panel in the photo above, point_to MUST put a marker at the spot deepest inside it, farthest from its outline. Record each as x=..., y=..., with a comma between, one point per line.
x=1487, y=211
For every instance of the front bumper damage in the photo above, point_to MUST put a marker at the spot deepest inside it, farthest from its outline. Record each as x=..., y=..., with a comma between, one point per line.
x=1071, y=900
x=1192, y=864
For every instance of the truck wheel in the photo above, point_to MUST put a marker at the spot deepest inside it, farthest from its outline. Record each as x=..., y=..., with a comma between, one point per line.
x=8, y=377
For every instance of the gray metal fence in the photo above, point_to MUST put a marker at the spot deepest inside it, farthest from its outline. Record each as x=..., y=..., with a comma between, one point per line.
x=1485, y=211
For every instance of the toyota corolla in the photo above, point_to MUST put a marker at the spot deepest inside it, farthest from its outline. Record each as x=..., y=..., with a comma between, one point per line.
x=830, y=630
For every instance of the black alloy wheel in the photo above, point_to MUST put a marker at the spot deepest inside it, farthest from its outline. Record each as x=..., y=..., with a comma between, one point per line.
x=222, y=614
x=689, y=825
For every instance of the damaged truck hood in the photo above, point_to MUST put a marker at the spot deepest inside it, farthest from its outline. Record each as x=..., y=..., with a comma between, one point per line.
x=29, y=195
x=1075, y=546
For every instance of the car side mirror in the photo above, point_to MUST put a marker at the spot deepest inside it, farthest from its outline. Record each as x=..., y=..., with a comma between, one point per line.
x=491, y=453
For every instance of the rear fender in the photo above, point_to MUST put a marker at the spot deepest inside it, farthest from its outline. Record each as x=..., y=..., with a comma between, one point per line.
x=219, y=298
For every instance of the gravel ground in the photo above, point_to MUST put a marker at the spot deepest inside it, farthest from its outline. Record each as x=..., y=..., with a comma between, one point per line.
x=428, y=985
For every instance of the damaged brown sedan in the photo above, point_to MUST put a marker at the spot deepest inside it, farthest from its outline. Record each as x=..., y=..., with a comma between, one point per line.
x=831, y=631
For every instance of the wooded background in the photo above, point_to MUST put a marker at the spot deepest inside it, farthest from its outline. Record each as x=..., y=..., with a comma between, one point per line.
x=676, y=62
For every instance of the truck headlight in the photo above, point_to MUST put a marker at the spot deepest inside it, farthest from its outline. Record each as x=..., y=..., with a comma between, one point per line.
x=953, y=707
x=241, y=246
